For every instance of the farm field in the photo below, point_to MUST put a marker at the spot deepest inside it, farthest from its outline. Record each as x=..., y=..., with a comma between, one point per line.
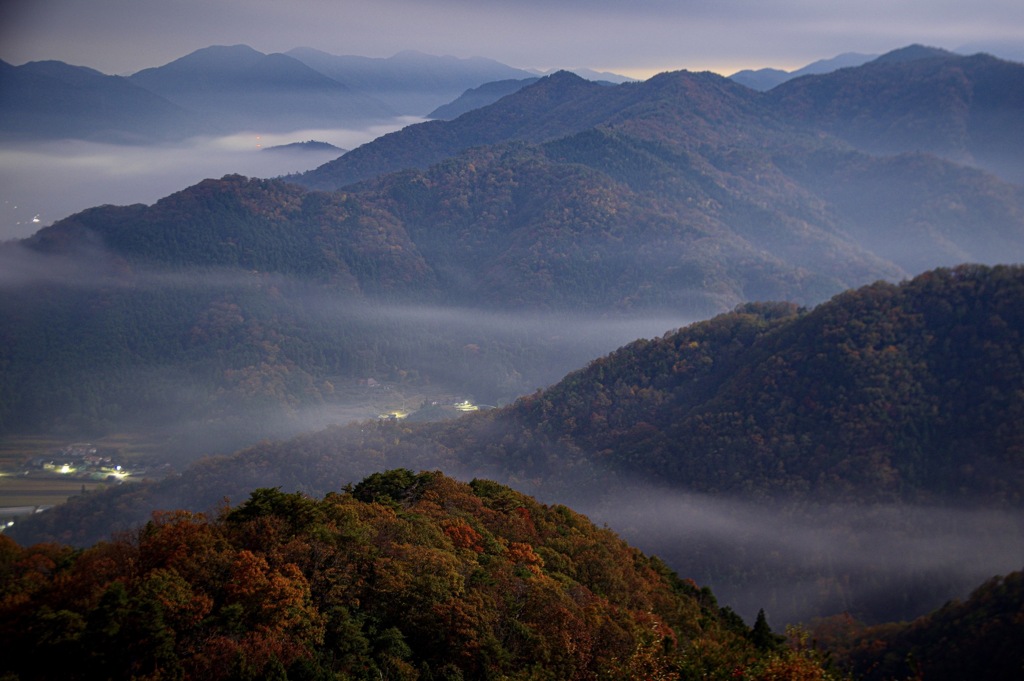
x=25, y=487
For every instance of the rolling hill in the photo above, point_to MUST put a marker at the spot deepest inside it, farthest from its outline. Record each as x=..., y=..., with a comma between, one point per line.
x=400, y=576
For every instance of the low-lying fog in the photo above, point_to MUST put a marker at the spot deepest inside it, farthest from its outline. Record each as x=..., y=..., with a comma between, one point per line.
x=877, y=562
x=43, y=182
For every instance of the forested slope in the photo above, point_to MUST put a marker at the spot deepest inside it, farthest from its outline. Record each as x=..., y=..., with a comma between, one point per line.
x=402, y=576
x=909, y=391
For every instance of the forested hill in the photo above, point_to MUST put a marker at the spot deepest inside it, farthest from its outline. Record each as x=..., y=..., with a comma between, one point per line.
x=402, y=576
x=909, y=391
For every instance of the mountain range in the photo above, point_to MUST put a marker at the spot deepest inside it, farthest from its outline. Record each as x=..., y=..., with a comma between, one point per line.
x=225, y=89
x=461, y=255
x=685, y=196
x=910, y=100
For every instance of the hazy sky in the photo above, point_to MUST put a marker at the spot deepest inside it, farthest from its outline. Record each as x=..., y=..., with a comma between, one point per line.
x=634, y=37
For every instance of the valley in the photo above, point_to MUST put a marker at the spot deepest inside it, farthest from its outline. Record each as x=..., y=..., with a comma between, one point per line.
x=775, y=338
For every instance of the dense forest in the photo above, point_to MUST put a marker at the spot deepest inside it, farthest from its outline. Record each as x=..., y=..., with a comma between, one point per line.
x=400, y=576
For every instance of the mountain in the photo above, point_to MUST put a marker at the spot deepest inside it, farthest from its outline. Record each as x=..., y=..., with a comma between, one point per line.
x=766, y=79
x=606, y=77
x=477, y=97
x=677, y=198
x=543, y=111
x=761, y=79
x=54, y=100
x=411, y=83
x=913, y=53
x=399, y=576
x=919, y=99
x=227, y=89
x=247, y=90
x=782, y=456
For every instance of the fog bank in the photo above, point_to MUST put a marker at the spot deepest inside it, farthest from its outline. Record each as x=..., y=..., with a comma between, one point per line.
x=43, y=182
x=878, y=562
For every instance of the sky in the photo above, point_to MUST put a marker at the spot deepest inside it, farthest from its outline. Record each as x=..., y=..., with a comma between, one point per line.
x=632, y=37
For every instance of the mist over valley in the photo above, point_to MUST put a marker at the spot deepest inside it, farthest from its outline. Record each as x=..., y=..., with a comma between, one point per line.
x=773, y=337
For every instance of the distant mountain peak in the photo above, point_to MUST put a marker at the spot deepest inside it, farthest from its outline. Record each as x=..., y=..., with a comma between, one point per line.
x=218, y=57
x=768, y=78
x=913, y=53
x=563, y=75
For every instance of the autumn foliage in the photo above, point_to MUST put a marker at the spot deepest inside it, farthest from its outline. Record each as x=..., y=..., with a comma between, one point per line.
x=403, y=576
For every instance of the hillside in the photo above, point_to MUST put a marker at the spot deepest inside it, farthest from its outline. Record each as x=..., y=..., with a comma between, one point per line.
x=858, y=421
x=872, y=396
x=545, y=110
x=400, y=576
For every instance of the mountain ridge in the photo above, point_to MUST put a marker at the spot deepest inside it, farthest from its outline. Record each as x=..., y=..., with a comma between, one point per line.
x=39, y=95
